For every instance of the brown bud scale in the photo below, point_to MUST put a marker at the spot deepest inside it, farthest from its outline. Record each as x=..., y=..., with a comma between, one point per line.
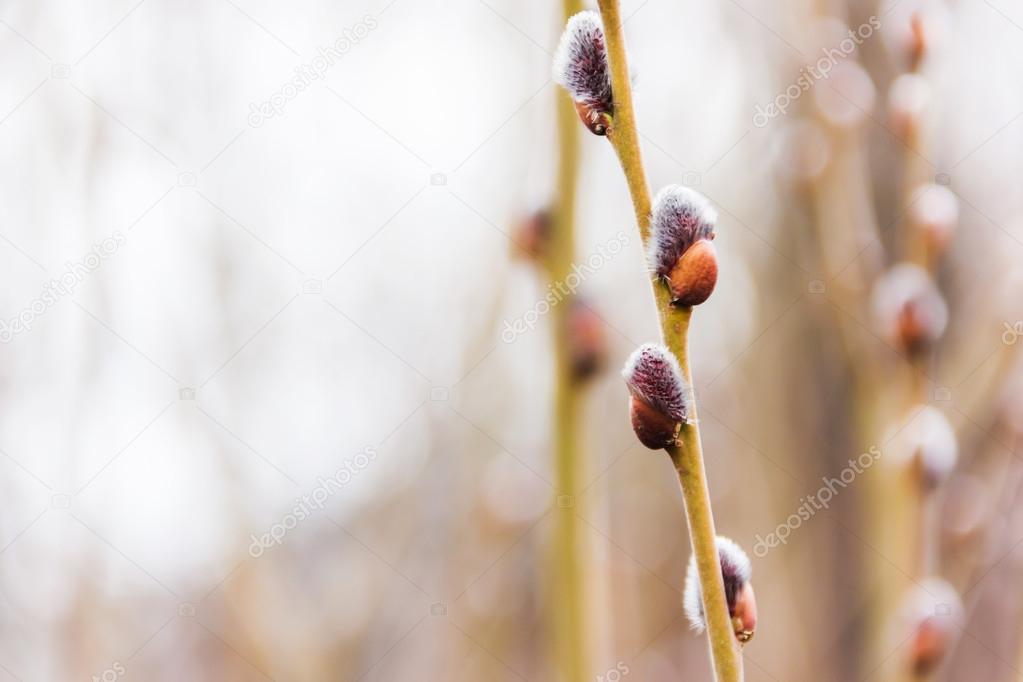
x=596, y=121
x=695, y=274
x=654, y=429
x=744, y=613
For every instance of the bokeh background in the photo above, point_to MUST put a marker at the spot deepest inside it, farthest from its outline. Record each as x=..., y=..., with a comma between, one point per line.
x=236, y=308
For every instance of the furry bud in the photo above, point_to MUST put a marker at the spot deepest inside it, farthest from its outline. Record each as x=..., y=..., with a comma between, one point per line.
x=660, y=396
x=930, y=612
x=587, y=340
x=680, y=251
x=736, y=572
x=927, y=445
x=909, y=96
x=533, y=235
x=917, y=41
x=934, y=213
x=850, y=98
x=910, y=308
x=581, y=67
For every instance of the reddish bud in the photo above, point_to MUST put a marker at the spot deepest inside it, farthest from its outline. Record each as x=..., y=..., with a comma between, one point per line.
x=587, y=340
x=910, y=309
x=596, y=120
x=680, y=252
x=694, y=276
x=930, y=612
x=736, y=572
x=744, y=615
x=660, y=396
x=533, y=235
x=653, y=428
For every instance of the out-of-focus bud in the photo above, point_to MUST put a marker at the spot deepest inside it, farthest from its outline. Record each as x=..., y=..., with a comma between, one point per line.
x=966, y=510
x=934, y=213
x=581, y=67
x=909, y=308
x=848, y=97
x=908, y=99
x=927, y=445
x=660, y=399
x=930, y=614
x=736, y=571
x=587, y=340
x=533, y=235
x=916, y=41
x=803, y=151
x=680, y=250
x=914, y=31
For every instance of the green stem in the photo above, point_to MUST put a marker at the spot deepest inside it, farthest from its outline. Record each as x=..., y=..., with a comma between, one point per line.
x=687, y=455
x=569, y=618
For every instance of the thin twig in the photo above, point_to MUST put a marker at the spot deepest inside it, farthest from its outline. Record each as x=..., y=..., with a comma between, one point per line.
x=687, y=455
x=570, y=619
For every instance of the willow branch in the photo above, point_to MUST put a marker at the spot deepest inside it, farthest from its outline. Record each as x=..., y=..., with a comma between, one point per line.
x=687, y=455
x=569, y=620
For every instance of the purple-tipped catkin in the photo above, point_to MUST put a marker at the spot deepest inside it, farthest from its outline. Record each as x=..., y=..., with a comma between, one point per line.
x=681, y=217
x=736, y=571
x=581, y=67
x=654, y=376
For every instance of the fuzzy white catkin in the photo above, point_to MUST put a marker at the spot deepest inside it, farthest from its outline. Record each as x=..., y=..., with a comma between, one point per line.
x=679, y=218
x=580, y=61
x=735, y=568
x=654, y=376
